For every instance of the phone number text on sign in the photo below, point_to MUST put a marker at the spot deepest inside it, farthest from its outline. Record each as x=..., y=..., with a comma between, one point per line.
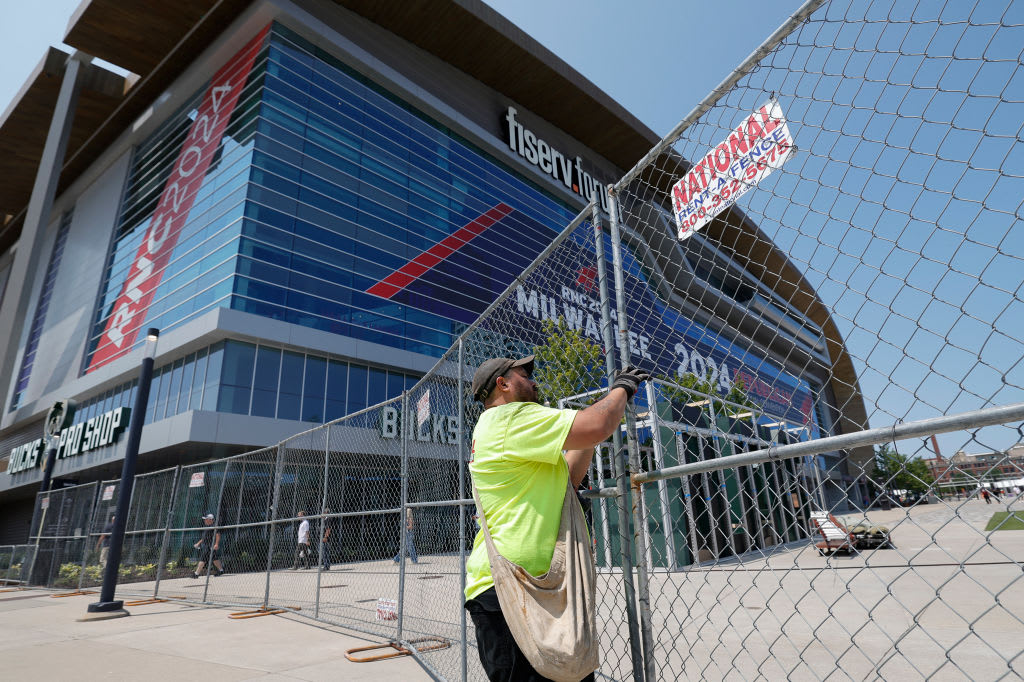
x=759, y=145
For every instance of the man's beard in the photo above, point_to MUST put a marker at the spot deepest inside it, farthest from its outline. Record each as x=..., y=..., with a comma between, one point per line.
x=529, y=395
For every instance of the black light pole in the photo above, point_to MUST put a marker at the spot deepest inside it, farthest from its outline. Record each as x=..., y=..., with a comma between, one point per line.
x=106, y=604
x=57, y=419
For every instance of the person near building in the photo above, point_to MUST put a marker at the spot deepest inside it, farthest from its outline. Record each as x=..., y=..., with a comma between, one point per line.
x=410, y=534
x=327, y=540
x=985, y=496
x=209, y=548
x=103, y=542
x=523, y=453
x=302, y=543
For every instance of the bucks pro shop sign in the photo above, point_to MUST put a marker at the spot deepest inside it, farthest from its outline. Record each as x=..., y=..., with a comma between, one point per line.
x=92, y=434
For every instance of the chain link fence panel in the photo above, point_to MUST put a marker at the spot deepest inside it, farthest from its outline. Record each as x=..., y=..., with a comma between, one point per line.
x=821, y=259
x=60, y=541
x=820, y=266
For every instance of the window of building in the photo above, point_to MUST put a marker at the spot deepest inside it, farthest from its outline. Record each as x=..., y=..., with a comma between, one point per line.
x=236, y=377
x=28, y=358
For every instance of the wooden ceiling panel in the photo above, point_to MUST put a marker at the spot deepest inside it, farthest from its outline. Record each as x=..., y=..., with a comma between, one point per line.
x=25, y=125
x=135, y=35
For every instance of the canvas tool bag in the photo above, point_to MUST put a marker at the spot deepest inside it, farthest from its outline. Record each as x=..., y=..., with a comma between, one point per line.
x=553, y=616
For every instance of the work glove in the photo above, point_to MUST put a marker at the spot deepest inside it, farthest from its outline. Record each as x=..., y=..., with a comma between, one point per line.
x=630, y=379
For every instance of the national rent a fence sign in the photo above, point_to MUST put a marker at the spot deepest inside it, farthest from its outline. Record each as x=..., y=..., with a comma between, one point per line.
x=758, y=145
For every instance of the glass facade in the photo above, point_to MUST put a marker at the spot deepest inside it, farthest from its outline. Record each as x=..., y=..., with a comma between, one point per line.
x=258, y=380
x=42, y=306
x=350, y=184
x=323, y=186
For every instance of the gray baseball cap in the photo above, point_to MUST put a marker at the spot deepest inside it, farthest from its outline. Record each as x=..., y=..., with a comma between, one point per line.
x=486, y=375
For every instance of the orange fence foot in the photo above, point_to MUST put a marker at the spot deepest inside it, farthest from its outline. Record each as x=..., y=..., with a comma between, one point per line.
x=399, y=649
x=72, y=594
x=262, y=611
x=144, y=602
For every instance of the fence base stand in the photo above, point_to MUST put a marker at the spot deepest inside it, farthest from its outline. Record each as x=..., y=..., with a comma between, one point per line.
x=103, y=615
x=262, y=611
x=13, y=589
x=140, y=602
x=72, y=594
x=399, y=649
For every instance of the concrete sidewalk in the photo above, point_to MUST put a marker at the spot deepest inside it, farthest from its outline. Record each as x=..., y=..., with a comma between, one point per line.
x=40, y=639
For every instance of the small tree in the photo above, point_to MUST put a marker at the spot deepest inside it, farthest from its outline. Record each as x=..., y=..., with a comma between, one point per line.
x=896, y=471
x=689, y=388
x=567, y=362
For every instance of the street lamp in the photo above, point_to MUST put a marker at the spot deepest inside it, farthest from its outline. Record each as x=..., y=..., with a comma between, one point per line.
x=106, y=607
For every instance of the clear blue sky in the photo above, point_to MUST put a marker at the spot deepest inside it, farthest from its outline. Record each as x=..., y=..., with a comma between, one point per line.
x=640, y=68
x=658, y=58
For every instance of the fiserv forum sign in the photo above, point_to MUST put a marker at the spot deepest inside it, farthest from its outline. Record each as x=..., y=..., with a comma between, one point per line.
x=561, y=167
x=77, y=439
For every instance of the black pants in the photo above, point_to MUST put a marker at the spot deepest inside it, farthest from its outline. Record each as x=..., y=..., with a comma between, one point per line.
x=501, y=657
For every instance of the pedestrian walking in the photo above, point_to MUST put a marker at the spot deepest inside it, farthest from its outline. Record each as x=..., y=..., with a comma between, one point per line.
x=985, y=496
x=327, y=540
x=209, y=547
x=525, y=456
x=302, y=543
x=103, y=542
x=410, y=536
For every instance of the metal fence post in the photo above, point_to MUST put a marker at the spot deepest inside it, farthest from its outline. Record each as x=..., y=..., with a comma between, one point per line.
x=668, y=528
x=402, y=549
x=39, y=531
x=216, y=529
x=323, y=521
x=721, y=520
x=691, y=520
x=88, y=528
x=618, y=465
x=167, y=530
x=463, y=640
x=640, y=528
x=599, y=455
x=278, y=466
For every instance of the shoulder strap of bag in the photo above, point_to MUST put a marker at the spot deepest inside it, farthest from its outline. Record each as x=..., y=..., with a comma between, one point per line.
x=491, y=549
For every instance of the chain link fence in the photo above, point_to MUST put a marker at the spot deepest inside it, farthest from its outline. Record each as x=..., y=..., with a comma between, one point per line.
x=15, y=561
x=820, y=266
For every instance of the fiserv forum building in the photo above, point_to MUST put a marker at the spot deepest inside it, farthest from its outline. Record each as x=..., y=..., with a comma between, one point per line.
x=255, y=189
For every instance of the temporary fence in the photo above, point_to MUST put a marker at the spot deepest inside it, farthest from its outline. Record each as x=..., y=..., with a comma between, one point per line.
x=820, y=266
x=14, y=563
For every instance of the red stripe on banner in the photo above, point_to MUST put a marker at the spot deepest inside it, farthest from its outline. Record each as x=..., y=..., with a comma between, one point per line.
x=423, y=263
x=171, y=214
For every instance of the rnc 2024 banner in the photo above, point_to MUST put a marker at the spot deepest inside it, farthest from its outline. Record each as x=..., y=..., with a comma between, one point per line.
x=455, y=278
x=171, y=214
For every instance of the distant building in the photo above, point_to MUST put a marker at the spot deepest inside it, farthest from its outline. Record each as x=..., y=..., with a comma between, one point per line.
x=1001, y=468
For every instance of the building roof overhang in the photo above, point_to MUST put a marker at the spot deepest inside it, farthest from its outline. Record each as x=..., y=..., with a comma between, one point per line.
x=26, y=122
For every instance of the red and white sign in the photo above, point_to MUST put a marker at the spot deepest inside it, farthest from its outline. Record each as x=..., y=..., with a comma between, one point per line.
x=423, y=409
x=171, y=214
x=387, y=609
x=108, y=492
x=759, y=145
x=44, y=503
x=197, y=480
